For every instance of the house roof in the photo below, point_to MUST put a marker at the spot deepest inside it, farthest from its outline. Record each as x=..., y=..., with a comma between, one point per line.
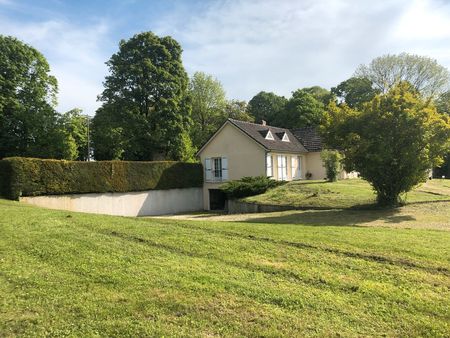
x=258, y=133
x=309, y=137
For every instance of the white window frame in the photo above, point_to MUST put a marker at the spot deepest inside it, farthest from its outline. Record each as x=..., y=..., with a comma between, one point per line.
x=216, y=169
x=282, y=167
x=269, y=165
x=269, y=136
x=285, y=138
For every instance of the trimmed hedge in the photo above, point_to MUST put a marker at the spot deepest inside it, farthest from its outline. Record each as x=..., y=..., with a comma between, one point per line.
x=32, y=177
x=249, y=186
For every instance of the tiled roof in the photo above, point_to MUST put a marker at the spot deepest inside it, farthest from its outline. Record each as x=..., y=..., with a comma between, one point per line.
x=309, y=137
x=258, y=132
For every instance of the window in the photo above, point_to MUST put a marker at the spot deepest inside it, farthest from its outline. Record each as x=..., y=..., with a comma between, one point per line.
x=269, y=136
x=282, y=168
x=269, y=165
x=296, y=167
x=216, y=169
x=285, y=138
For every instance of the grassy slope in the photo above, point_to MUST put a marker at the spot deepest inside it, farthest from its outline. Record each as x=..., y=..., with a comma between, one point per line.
x=65, y=273
x=343, y=194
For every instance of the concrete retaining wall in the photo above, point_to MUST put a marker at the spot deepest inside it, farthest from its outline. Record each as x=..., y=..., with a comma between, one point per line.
x=143, y=203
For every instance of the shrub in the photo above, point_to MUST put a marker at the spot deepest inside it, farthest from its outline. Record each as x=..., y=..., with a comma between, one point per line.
x=332, y=163
x=248, y=186
x=32, y=177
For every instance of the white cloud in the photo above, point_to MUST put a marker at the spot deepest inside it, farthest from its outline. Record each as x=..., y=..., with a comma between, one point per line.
x=76, y=56
x=283, y=45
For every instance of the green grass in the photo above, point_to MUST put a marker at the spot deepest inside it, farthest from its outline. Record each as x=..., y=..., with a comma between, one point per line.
x=344, y=194
x=71, y=274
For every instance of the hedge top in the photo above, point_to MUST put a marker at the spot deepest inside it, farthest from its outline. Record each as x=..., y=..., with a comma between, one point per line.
x=31, y=177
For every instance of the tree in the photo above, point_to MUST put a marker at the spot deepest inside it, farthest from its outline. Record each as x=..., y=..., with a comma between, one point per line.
x=392, y=143
x=208, y=106
x=236, y=109
x=146, y=92
x=332, y=163
x=28, y=120
x=443, y=103
x=320, y=94
x=355, y=91
x=302, y=110
x=76, y=125
x=266, y=106
x=423, y=73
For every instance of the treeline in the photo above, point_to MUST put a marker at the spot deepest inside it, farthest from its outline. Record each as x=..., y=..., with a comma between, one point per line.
x=152, y=110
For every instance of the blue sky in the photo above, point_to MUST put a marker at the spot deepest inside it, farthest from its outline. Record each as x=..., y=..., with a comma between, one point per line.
x=271, y=45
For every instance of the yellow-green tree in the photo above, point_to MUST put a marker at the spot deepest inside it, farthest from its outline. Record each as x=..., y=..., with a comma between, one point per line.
x=392, y=142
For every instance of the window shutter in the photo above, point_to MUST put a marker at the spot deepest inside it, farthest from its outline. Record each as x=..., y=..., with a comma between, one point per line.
x=208, y=173
x=224, y=168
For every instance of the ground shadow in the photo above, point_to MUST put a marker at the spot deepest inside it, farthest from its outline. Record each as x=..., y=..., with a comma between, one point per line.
x=335, y=217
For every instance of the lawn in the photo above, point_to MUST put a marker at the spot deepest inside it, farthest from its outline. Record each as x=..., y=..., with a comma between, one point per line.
x=344, y=194
x=72, y=274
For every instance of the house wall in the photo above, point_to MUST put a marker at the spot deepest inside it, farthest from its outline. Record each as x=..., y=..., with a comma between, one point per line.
x=314, y=166
x=144, y=203
x=245, y=157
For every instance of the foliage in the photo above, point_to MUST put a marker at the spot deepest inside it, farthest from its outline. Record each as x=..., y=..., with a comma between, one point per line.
x=266, y=106
x=332, y=162
x=32, y=177
x=145, y=101
x=76, y=126
x=208, y=106
x=443, y=103
x=237, y=110
x=28, y=121
x=355, y=194
x=355, y=91
x=280, y=275
x=301, y=110
x=392, y=142
x=249, y=186
x=423, y=73
x=320, y=94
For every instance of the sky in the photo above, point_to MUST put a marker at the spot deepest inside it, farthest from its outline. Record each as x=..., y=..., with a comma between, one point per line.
x=248, y=45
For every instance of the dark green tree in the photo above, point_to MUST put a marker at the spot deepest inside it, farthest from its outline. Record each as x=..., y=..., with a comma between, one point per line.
x=28, y=120
x=301, y=110
x=320, y=94
x=355, y=91
x=266, y=106
x=392, y=143
x=146, y=92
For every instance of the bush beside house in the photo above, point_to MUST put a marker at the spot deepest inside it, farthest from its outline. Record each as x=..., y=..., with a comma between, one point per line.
x=32, y=177
x=249, y=186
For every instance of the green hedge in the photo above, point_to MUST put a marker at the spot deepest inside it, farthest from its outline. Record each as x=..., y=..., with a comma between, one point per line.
x=249, y=186
x=32, y=177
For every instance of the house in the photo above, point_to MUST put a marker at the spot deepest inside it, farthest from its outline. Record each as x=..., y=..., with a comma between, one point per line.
x=240, y=149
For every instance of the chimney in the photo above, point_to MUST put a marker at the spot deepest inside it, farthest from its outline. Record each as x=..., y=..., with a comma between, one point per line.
x=263, y=122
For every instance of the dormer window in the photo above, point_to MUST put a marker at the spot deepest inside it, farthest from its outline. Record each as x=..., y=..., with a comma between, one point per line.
x=269, y=136
x=285, y=138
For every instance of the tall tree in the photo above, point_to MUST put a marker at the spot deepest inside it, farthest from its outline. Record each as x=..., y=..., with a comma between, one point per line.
x=266, y=106
x=423, y=73
x=28, y=120
x=301, y=110
x=393, y=142
x=355, y=91
x=208, y=106
x=146, y=92
x=76, y=125
x=320, y=94
x=236, y=109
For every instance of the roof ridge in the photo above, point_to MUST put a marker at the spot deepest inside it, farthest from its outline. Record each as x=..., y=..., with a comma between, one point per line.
x=256, y=124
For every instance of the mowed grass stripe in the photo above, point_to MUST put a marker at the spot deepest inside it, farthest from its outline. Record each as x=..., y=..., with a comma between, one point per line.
x=88, y=274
